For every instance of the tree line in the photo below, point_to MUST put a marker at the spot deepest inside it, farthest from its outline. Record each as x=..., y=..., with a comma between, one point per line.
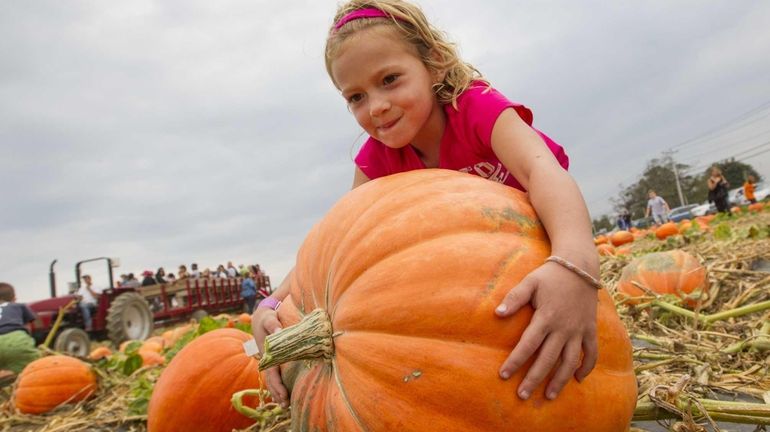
x=659, y=176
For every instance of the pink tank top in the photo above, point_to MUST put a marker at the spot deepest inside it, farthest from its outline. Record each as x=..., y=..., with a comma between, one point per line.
x=467, y=142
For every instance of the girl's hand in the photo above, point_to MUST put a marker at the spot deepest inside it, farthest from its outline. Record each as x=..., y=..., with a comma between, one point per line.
x=264, y=321
x=563, y=325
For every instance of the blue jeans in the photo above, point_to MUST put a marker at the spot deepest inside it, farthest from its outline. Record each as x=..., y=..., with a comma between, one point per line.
x=250, y=302
x=85, y=309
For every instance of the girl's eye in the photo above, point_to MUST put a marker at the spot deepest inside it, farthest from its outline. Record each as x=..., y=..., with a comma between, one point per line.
x=354, y=98
x=389, y=79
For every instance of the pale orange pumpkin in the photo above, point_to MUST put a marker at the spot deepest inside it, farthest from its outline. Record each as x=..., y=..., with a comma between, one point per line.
x=600, y=239
x=619, y=238
x=404, y=274
x=244, y=318
x=193, y=392
x=51, y=381
x=605, y=249
x=151, y=358
x=666, y=230
x=625, y=250
x=170, y=337
x=670, y=272
x=756, y=207
x=152, y=345
x=99, y=353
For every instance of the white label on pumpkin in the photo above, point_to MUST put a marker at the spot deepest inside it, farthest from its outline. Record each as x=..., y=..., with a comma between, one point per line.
x=250, y=346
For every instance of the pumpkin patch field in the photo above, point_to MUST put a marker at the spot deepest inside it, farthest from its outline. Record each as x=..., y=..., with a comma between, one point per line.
x=683, y=323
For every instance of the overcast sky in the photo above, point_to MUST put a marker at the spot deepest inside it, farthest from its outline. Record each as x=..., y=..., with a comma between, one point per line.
x=175, y=132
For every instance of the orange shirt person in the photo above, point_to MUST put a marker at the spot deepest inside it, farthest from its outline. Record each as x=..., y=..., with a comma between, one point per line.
x=748, y=189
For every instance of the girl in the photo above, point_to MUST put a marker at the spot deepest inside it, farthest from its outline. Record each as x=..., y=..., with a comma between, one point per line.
x=423, y=107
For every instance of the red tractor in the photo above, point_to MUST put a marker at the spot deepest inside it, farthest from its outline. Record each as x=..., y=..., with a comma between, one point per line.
x=131, y=313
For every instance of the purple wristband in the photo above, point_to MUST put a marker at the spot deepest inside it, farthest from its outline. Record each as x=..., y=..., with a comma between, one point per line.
x=269, y=303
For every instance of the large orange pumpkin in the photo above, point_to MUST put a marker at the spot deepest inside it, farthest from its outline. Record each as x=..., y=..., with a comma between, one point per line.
x=193, y=392
x=671, y=272
x=409, y=269
x=620, y=238
x=51, y=381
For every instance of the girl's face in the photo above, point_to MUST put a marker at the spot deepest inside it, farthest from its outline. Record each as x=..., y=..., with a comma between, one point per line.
x=388, y=88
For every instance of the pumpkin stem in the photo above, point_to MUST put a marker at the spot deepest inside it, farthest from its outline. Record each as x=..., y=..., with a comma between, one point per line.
x=309, y=339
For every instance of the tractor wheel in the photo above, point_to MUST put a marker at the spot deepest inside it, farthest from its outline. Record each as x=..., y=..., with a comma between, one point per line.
x=73, y=341
x=199, y=314
x=129, y=318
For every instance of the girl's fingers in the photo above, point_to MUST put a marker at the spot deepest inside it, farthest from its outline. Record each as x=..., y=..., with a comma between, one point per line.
x=278, y=391
x=570, y=360
x=590, y=354
x=548, y=357
x=530, y=341
x=517, y=297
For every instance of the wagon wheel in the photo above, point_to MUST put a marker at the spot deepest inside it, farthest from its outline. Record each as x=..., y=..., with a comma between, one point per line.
x=73, y=341
x=129, y=318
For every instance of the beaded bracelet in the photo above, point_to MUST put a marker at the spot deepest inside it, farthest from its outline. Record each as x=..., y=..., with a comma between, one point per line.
x=575, y=269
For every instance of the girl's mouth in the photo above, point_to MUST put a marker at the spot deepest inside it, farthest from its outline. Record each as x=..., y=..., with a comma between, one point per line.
x=387, y=126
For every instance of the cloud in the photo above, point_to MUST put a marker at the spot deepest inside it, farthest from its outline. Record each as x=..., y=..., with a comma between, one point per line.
x=170, y=132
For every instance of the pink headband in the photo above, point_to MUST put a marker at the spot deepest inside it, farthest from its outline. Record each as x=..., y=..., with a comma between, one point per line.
x=361, y=13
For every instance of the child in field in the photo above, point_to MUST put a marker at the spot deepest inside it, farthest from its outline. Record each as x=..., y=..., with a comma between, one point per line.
x=17, y=348
x=748, y=189
x=423, y=107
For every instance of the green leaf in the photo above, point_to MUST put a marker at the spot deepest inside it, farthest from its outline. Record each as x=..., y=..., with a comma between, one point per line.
x=133, y=347
x=141, y=392
x=184, y=340
x=132, y=363
x=723, y=231
x=243, y=327
x=208, y=324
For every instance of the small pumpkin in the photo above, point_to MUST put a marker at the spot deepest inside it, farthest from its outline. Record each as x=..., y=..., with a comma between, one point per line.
x=432, y=364
x=193, y=392
x=600, y=239
x=620, y=238
x=736, y=210
x=170, y=337
x=99, y=353
x=670, y=272
x=152, y=345
x=666, y=230
x=157, y=339
x=151, y=358
x=625, y=250
x=51, y=381
x=684, y=226
x=244, y=318
x=756, y=207
x=605, y=249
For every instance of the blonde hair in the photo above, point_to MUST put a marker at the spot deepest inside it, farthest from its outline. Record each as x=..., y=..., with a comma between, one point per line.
x=436, y=52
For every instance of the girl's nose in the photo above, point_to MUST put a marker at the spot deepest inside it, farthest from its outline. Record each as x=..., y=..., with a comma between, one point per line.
x=378, y=105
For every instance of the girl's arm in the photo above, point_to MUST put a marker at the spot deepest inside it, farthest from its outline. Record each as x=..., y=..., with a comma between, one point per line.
x=564, y=322
x=359, y=178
